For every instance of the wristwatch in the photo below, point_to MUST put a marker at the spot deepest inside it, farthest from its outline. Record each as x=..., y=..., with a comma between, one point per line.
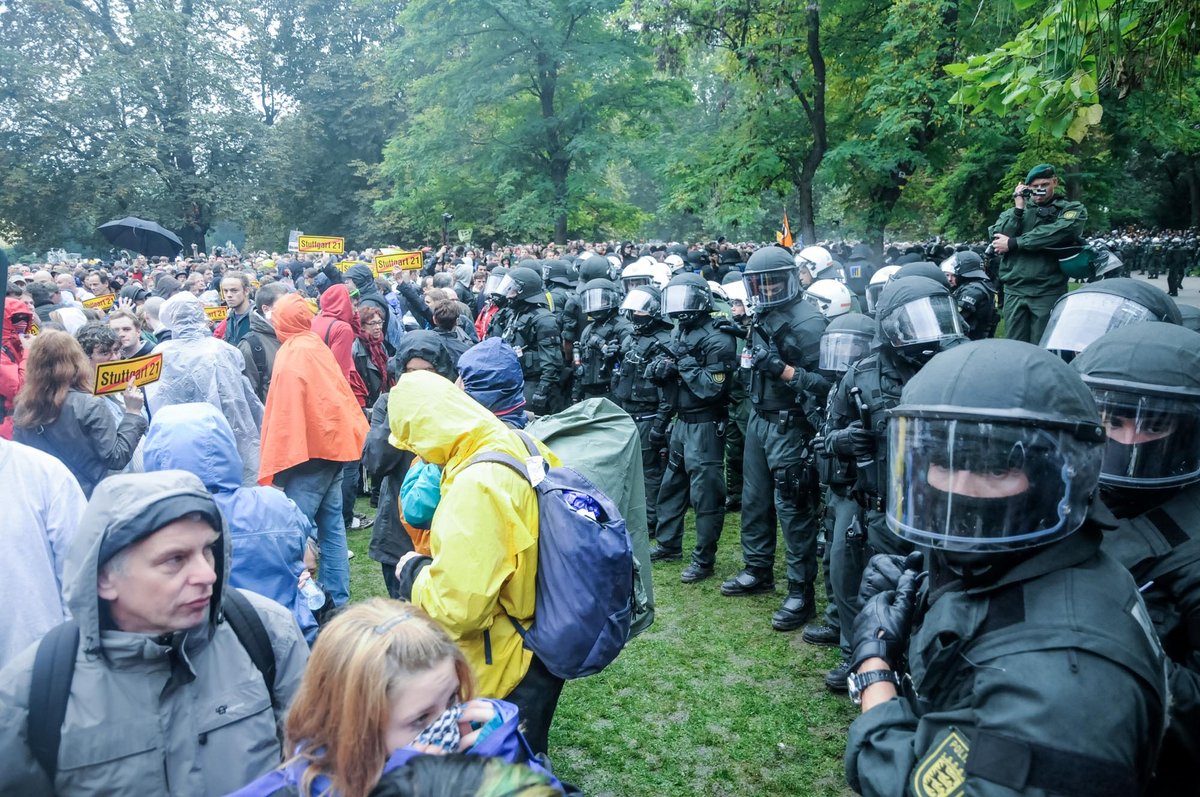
x=857, y=683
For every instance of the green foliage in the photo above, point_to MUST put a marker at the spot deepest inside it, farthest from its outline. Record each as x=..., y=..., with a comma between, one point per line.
x=1060, y=61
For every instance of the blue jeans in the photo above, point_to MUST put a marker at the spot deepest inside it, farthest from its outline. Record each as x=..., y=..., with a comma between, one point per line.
x=316, y=487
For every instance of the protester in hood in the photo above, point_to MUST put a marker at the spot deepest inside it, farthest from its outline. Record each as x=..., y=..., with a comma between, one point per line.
x=57, y=413
x=17, y=318
x=267, y=530
x=198, y=367
x=164, y=698
x=42, y=506
x=386, y=464
x=337, y=326
x=482, y=569
x=312, y=426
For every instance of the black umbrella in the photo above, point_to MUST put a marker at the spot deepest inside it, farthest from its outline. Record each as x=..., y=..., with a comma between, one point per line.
x=143, y=237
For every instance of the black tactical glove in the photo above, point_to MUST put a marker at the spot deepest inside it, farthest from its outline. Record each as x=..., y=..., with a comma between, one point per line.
x=883, y=573
x=730, y=327
x=882, y=627
x=539, y=404
x=657, y=437
x=664, y=370
x=770, y=364
x=850, y=443
x=611, y=348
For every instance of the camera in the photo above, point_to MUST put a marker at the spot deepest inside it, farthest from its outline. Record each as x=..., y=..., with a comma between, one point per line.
x=1028, y=192
x=447, y=216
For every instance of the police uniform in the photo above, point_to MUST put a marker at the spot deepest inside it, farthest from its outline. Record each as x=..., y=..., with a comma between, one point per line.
x=1029, y=271
x=593, y=376
x=977, y=305
x=635, y=390
x=698, y=398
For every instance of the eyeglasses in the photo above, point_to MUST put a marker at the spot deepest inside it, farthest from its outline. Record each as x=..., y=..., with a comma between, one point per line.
x=373, y=324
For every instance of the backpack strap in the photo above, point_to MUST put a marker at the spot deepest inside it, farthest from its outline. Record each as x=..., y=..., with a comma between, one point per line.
x=49, y=693
x=328, y=332
x=258, y=353
x=248, y=626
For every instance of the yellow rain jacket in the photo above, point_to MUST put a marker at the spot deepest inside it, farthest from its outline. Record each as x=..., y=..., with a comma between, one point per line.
x=484, y=534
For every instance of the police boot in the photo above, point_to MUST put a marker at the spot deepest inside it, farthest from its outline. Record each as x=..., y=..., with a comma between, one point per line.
x=797, y=609
x=750, y=581
x=835, y=679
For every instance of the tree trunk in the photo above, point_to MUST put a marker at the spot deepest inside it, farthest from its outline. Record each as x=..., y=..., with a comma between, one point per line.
x=816, y=117
x=1192, y=174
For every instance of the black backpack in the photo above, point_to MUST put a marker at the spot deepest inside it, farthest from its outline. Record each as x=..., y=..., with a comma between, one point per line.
x=54, y=669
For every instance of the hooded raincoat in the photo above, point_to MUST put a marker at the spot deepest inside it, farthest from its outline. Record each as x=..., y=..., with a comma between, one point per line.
x=484, y=535
x=12, y=362
x=182, y=714
x=199, y=367
x=311, y=412
x=266, y=528
x=335, y=325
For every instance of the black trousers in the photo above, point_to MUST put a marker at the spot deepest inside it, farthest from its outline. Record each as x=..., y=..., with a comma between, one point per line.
x=537, y=697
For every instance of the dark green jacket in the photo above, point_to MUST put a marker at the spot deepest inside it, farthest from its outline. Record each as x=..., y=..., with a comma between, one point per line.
x=1049, y=681
x=1030, y=268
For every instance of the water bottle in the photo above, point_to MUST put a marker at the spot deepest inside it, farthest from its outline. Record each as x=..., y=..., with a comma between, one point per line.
x=747, y=358
x=313, y=593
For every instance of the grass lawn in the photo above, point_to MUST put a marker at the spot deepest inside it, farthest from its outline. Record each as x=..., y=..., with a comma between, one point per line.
x=708, y=701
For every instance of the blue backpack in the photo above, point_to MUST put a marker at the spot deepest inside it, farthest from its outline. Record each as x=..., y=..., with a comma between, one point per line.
x=584, y=601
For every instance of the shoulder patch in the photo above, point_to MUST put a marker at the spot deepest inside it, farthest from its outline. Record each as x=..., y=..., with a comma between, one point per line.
x=942, y=773
x=1071, y=214
x=719, y=377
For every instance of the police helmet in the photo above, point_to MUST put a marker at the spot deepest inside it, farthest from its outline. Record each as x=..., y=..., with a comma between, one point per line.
x=964, y=265
x=1146, y=382
x=599, y=296
x=593, y=267
x=1083, y=315
x=491, y=288
x=879, y=279
x=675, y=262
x=645, y=271
x=558, y=272
x=524, y=284
x=771, y=278
x=995, y=446
x=845, y=341
x=817, y=261
x=642, y=305
x=917, y=317
x=831, y=297
x=686, y=296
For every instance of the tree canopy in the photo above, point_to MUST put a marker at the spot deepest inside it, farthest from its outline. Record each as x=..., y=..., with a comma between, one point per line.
x=557, y=119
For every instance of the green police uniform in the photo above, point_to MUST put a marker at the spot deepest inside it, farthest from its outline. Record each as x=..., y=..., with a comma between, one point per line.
x=1029, y=271
x=1047, y=681
x=698, y=397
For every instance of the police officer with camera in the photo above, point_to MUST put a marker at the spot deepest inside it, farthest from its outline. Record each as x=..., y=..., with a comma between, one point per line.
x=1031, y=237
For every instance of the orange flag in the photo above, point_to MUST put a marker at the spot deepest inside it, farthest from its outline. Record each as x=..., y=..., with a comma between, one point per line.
x=785, y=238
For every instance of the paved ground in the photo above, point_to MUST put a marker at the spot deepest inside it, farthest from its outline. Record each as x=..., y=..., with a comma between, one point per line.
x=1190, y=293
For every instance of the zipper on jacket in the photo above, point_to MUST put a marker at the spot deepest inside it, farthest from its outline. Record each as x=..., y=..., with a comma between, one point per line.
x=487, y=646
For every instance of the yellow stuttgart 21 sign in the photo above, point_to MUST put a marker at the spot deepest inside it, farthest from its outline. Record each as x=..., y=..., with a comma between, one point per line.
x=408, y=261
x=322, y=243
x=218, y=313
x=100, y=302
x=114, y=377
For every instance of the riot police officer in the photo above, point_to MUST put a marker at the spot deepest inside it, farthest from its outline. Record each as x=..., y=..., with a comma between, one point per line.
x=786, y=395
x=695, y=377
x=1030, y=665
x=604, y=340
x=533, y=333
x=1146, y=382
x=634, y=388
x=1085, y=314
x=973, y=293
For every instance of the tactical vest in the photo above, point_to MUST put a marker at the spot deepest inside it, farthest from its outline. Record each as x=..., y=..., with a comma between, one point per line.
x=794, y=333
x=879, y=394
x=691, y=343
x=632, y=388
x=597, y=368
x=521, y=334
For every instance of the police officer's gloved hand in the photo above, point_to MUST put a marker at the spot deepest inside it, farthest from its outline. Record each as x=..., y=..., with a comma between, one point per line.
x=767, y=362
x=611, y=348
x=729, y=327
x=883, y=573
x=851, y=442
x=882, y=628
x=539, y=403
x=657, y=437
x=664, y=369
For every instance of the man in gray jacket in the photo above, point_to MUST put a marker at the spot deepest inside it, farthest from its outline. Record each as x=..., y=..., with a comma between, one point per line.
x=165, y=698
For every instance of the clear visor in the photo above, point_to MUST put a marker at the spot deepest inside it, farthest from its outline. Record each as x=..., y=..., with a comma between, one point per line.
x=981, y=487
x=508, y=287
x=770, y=288
x=639, y=302
x=636, y=281
x=873, y=292
x=1153, y=441
x=492, y=286
x=841, y=349
x=685, y=299
x=1080, y=318
x=594, y=300
x=926, y=320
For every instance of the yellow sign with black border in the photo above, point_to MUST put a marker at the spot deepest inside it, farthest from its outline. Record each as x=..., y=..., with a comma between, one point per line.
x=322, y=243
x=114, y=377
x=406, y=261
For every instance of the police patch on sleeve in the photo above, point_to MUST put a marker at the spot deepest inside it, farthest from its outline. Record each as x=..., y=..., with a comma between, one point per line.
x=1071, y=214
x=719, y=377
x=942, y=773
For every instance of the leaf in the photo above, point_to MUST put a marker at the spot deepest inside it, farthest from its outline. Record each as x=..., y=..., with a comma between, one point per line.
x=1094, y=114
